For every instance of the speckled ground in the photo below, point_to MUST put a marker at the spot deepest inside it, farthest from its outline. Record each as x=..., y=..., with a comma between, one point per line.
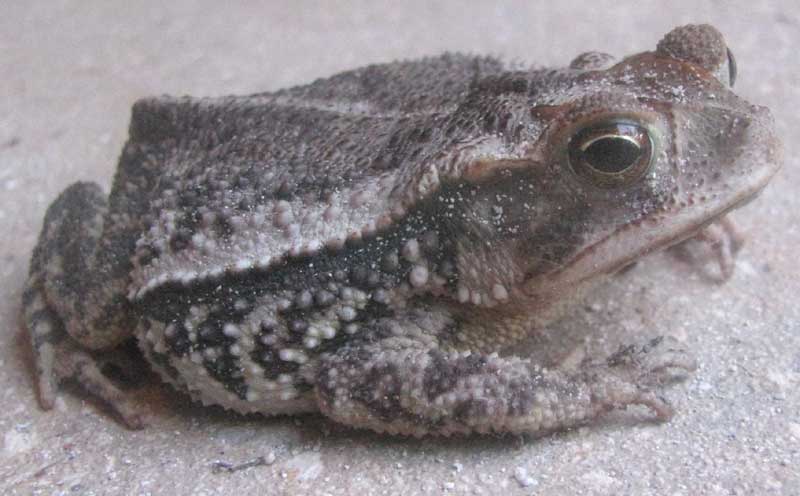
x=70, y=71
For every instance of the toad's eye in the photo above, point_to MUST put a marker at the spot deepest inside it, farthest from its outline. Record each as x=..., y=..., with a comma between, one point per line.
x=611, y=154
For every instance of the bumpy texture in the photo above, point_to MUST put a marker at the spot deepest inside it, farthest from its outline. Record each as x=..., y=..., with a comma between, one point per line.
x=371, y=245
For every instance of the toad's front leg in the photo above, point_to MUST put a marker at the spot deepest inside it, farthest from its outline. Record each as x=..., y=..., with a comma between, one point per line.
x=718, y=242
x=404, y=383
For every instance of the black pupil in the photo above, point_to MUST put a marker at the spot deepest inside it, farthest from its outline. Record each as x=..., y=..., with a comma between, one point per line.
x=612, y=154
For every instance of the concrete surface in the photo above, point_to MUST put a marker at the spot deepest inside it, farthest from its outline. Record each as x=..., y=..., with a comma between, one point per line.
x=70, y=71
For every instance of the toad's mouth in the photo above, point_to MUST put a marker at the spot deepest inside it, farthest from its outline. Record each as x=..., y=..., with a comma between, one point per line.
x=629, y=242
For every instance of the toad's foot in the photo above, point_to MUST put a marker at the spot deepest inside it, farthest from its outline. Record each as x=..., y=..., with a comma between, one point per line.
x=634, y=372
x=58, y=358
x=406, y=385
x=719, y=242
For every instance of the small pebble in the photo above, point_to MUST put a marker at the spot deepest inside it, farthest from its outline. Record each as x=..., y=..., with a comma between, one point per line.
x=522, y=477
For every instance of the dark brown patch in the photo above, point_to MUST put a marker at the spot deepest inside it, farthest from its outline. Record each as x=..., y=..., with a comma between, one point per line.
x=442, y=374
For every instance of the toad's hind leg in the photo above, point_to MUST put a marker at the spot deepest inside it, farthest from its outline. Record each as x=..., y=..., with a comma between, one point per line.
x=75, y=300
x=402, y=381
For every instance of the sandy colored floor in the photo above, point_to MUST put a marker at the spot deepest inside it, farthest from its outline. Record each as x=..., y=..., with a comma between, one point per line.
x=70, y=71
